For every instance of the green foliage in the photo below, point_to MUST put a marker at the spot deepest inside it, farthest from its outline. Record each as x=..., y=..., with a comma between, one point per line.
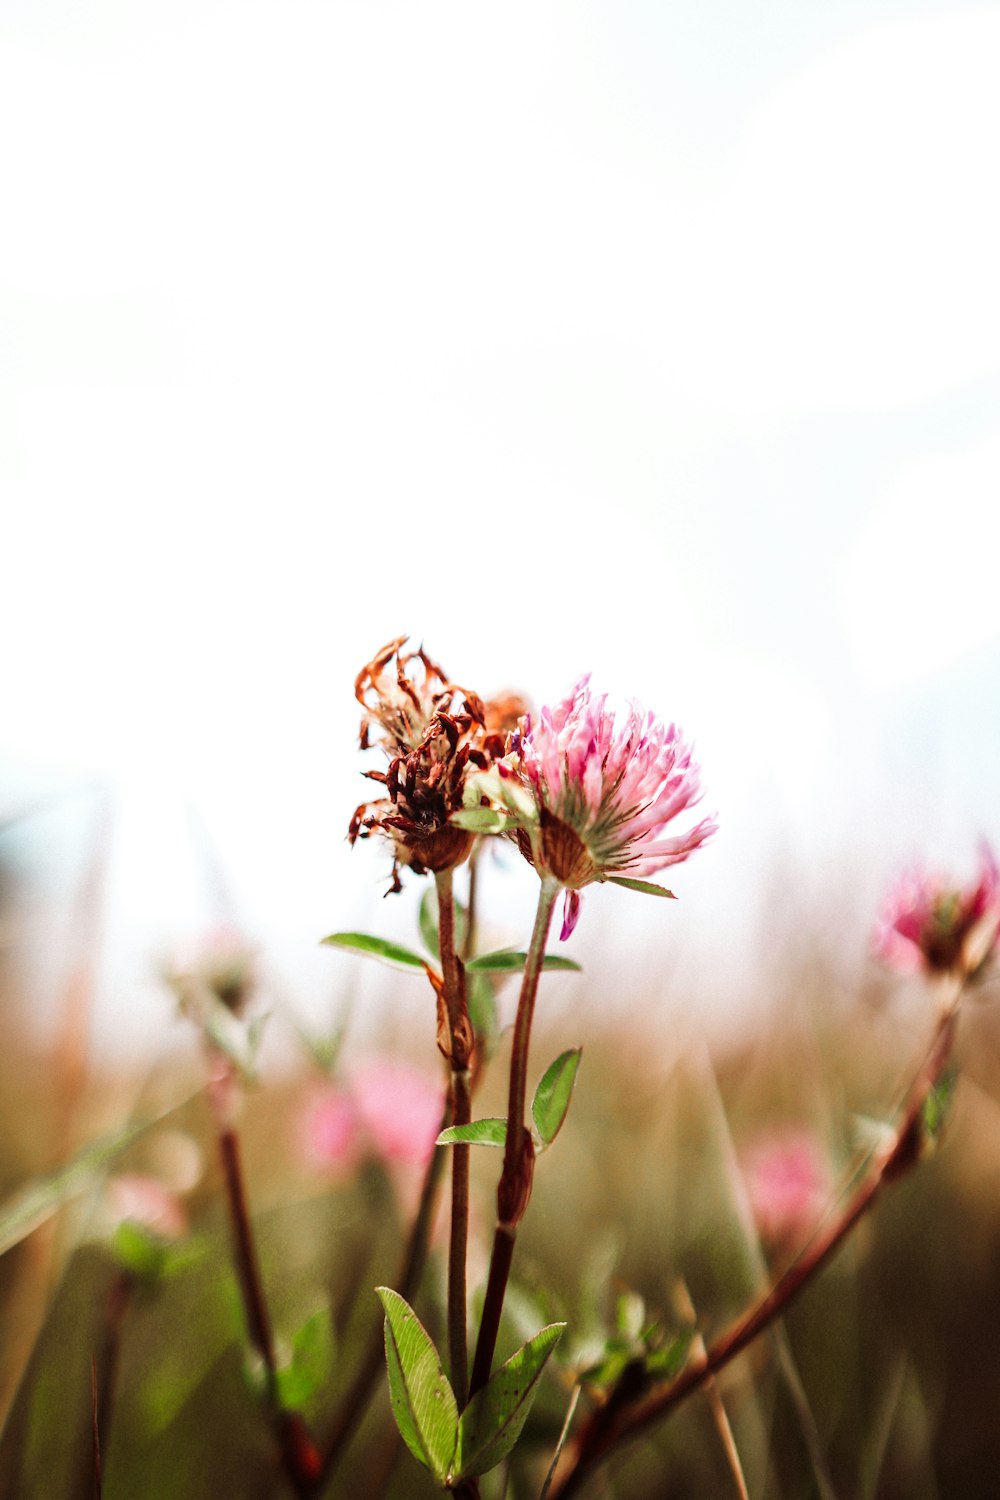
x=311, y=1363
x=376, y=947
x=937, y=1109
x=483, y=1010
x=491, y=1132
x=647, y=887
x=140, y=1252
x=32, y=1204
x=491, y=1424
x=637, y=1344
x=484, y=820
x=423, y=1401
x=427, y=922
x=552, y=1096
x=507, y=961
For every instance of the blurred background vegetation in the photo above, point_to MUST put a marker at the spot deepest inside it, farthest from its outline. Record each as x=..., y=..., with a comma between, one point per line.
x=693, y=1155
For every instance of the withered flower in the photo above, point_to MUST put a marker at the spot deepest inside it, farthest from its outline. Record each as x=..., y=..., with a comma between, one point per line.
x=433, y=733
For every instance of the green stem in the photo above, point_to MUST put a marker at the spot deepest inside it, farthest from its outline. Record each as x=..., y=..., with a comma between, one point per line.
x=514, y=1187
x=613, y=1423
x=460, y=1048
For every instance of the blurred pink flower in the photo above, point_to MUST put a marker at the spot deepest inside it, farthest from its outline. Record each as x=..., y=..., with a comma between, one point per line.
x=788, y=1184
x=332, y=1131
x=401, y=1110
x=388, y=1109
x=606, y=792
x=137, y=1199
x=929, y=924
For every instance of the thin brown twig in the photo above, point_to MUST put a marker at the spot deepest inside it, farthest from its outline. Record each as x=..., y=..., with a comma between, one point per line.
x=891, y=1160
x=299, y=1455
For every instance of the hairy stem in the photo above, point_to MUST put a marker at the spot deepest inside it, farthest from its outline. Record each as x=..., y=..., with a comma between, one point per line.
x=891, y=1160
x=460, y=1048
x=514, y=1187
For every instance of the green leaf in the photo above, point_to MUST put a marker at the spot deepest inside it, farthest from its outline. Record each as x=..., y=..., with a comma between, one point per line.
x=937, y=1108
x=630, y=1314
x=491, y=1423
x=482, y=1010
x=670, y=1358
x=37, y=1201
x=645, y=886
x=552, y=1096
x=483, y=820
x=427, y=922
x=142, y=1253
x=478, y=1133
x=376, y=947
x=506, y=961
x=311, y=1363
x=423, y=1402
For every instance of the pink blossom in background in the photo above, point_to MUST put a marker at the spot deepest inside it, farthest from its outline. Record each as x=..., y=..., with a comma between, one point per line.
x=788, y=1184
x=929, y=924
x=332, y=1131
x=607, y=790
x=401, y=1110
x=386, y=1109
x=137, y=1199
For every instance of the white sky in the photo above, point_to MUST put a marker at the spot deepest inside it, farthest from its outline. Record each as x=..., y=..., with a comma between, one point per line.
x=662, y=341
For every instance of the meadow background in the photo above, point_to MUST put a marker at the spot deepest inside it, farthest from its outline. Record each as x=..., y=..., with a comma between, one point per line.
x=661, y=343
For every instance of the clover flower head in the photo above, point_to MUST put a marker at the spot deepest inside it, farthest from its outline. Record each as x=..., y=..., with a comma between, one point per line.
x=601, y=792
x=222, y=966
x=434, y=734
x=930, y=924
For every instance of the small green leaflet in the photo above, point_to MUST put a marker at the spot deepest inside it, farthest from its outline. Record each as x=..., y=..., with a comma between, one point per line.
x=506, y=961
x=311, y=1363
x=645, y=886
x=482, y=1010
x=552, y=1096
x=937, y=1107
x=423, y=1401
x=478, y=1133
x=491, y=1423
x=376, y=947
x=483, y=820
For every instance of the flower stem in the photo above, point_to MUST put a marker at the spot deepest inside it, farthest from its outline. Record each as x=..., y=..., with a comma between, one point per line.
x=459, y=1052
x=298, y=1452
x=373, y=1361
x=514, y=1188
x=891, y=1160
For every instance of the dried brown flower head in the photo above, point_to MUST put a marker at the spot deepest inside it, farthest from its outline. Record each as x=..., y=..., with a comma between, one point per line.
x=433, y=732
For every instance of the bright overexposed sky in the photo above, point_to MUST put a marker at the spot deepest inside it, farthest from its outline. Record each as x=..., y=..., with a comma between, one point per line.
x=657, y=341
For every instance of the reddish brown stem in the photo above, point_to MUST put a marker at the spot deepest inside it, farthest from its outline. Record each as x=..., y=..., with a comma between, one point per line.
x=460, y=1049
x=373, y=1360
x=299, y=1454
x=616, y=1422
x=514, y=1187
